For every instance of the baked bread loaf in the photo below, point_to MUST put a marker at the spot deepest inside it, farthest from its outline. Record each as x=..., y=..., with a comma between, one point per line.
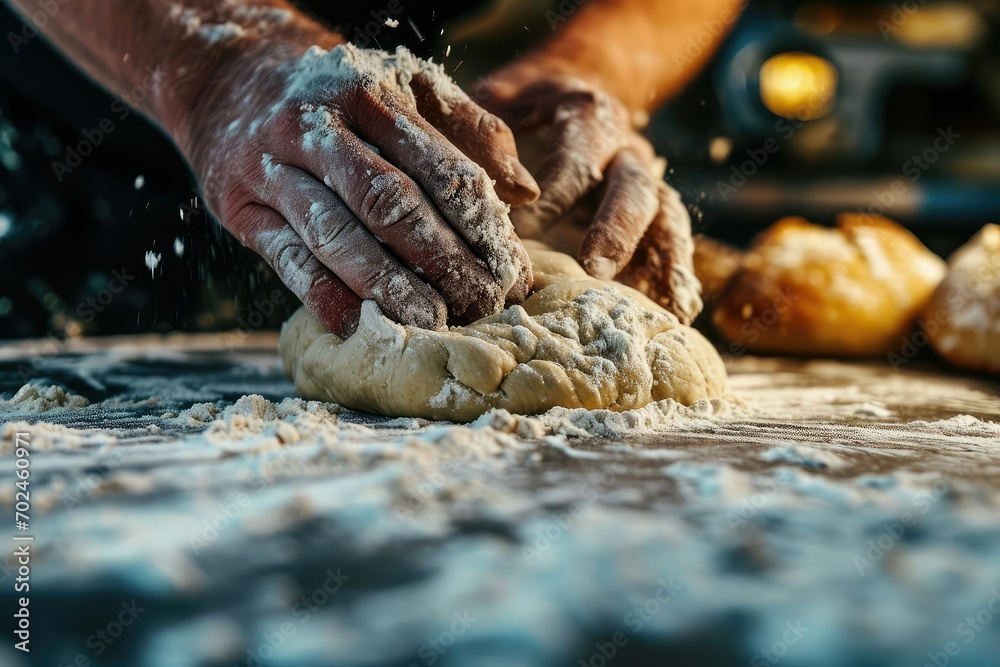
x=962, y=319
x=715, y=263
x=853, y=290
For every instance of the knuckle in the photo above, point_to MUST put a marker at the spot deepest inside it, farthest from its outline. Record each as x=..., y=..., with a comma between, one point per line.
x=487, y=123
x=324, y=228
x=458, y=180
x=390, y=200
x=235, y=211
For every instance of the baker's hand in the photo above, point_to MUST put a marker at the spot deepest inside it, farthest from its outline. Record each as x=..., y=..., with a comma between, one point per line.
x=360, y=174
x=639, y=230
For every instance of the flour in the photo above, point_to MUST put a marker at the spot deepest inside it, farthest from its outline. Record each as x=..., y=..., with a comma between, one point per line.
x=959, y=425
x=49, y=437
x=152, y=260
x=513, y=518
x=320, y=131
x=221, y=32
x=461, y=189
x=229, y=20
x=658, y=417
x=36, y=399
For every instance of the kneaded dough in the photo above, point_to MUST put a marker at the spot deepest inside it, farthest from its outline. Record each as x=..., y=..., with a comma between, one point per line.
x=577, y=342
x=963, y=317
x=854, y=290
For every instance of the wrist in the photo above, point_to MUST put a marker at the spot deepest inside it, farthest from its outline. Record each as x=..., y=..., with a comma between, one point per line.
x=199, y=73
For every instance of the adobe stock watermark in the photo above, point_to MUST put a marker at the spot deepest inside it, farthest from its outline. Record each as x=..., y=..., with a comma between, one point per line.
x=757, y=324
x=226, y=514
x=432, y=650
x=92, y=306
x=91, y=480
x=218, y=523
x=634, y=622
x=967, y=630
x=415, y=497
x=36, y=21
x=751, y=505
x=563, y=11
x=773, y=654
x=894, y=531
x=103, y=637
x=364, y=35
x=121, y=108
x=711, y=30
x=88, y=309
x=914, y=169
x=260, y=310
x=302, y=612
x=901, y=13
x=740, y=174
x=483, y=89
x=560, y=522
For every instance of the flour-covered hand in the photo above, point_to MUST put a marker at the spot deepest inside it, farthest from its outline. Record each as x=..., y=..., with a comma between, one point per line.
x=361, y=174
x=639, y=230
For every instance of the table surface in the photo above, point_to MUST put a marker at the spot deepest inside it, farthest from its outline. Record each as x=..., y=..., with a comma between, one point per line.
x=831, y=513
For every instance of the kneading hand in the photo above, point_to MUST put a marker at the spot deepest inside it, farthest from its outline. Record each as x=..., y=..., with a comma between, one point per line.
x=356, y=174
x=640, y=230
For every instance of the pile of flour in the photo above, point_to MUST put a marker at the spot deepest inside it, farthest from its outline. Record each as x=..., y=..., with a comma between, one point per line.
x=35, y=399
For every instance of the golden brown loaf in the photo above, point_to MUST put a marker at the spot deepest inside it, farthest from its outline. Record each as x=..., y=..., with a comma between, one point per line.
x=963, y=317
x=853, y=290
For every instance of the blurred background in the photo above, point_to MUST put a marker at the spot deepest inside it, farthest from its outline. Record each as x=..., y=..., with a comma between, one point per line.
x=809, y=108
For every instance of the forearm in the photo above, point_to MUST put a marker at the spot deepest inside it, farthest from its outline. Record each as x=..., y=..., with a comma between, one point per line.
x=161, y=55
x=641, y=51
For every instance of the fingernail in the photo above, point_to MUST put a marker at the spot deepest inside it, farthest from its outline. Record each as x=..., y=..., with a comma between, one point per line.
x=525, y=185
x=601, y=268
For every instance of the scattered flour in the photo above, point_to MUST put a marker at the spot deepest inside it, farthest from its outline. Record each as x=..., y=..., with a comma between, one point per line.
x=657, y=417
x=34, y=399
x=152, y=261
x=221, y=32
x=229, y=20
x=44, y=436
x=958, y=425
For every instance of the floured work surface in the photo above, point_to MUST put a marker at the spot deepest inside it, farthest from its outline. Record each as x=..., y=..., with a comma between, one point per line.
x=843, y=514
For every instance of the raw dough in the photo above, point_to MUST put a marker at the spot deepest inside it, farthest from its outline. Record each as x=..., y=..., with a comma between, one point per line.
x=854, y=290
x=576, y=342
x=963, y=317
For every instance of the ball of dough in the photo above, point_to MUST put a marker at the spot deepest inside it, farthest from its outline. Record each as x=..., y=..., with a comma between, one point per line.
x=963, y=317
x=577, y=342
x=854, y=290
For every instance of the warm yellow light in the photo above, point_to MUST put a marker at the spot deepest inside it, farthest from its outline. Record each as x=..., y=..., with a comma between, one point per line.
x=798, y=85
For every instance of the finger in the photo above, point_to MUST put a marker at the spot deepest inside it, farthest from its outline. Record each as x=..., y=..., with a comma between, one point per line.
x=394, y=209
x=483, y=137
x=264, y=231
x=663, y=265
x=585, y=139
x=338, y=239
x=460, y=189
x=630, y=203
